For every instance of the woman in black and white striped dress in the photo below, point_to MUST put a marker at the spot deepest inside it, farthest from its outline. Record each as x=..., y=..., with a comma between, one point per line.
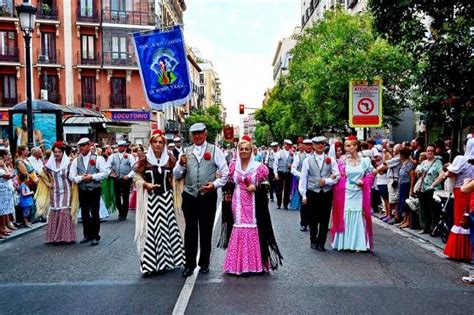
x=159, y=242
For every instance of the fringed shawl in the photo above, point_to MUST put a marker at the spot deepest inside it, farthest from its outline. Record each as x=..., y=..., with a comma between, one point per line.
x=140, y=215
x=337, y=225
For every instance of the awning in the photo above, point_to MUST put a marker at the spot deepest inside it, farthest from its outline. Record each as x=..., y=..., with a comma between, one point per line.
x=76, y=130
x=118, y=129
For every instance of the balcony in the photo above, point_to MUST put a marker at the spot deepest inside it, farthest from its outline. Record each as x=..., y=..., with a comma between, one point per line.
x=119, y=101
x=128, y=17
x=90, y=59
x=47, y=12
x=10, y=101
x=172, y=126
x=6, y=10
x=53, y=97
x=89, y=101
x=9, y=55
x=51, y=58
x=87, y=15
x=119, y=59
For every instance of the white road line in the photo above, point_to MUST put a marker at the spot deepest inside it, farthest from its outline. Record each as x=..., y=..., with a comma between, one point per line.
x=183, y=299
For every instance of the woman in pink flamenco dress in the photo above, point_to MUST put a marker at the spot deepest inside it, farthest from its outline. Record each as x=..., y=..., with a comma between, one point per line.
x=251, y=247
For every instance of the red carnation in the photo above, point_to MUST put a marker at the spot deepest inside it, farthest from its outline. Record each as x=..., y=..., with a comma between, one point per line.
x=246, y=181
x=92, y=162
x=125, y=156
x=207, y=156
x=328, y=160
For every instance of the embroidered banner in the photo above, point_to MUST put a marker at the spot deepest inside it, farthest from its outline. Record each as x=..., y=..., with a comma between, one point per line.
x=163, y=67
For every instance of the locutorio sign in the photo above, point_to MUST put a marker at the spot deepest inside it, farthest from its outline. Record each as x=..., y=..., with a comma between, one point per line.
x=365, y=103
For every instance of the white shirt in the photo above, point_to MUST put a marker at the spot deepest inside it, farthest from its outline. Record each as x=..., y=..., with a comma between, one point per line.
x=296, y=164
x=131, y=158
x=100, y=164
x=219, y=159
x=36, y=163
x=303, y=183
x=281, y=154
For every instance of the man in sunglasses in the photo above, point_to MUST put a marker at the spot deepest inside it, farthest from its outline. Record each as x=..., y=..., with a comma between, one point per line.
x=319, y=174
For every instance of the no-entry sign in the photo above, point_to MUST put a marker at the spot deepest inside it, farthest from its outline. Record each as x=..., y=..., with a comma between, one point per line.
x=365, y=103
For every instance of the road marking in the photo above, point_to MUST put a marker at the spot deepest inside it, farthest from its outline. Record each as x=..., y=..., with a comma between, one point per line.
x=185, y=295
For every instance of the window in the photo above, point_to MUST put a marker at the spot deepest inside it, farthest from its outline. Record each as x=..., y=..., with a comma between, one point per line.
x=8, y=46
x=48, y=46
x=86, y=8
x=119, y=47
x=87, y=47
x=9, y=97
x=88, y=90
x=118, y=5
x=51, y=84
x=118, y=97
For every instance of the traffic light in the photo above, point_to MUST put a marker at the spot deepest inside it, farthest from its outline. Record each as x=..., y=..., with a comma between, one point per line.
x=241, y=109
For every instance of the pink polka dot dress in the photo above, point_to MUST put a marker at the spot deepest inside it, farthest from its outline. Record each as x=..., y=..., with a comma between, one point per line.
x=243, y=252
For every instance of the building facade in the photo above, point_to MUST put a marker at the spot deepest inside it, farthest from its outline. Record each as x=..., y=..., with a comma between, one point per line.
x=313, y=10
x=283, y=55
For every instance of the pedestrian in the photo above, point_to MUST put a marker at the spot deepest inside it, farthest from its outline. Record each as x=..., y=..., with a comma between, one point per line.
x=26, y=199
x=269, y=161
x=57, y=194
x=121, y=170
x=177, y=141
x=319, y=174
x=87, y=170
x=159, y=242
x=351, y=215
x=107, y=185
x=282, y=167
x=406, y=182
x=198, y=165
x=250, y=229
x=7, y=206
x=468, y=188
x=459, y=245
x=296, y=168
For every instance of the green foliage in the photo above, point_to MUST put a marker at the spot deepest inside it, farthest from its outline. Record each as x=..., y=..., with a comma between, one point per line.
x=444, y=55
x=211, y=117
x=314, y=96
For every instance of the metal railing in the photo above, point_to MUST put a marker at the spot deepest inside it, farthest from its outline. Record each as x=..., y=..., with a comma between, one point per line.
x=91, y=58
x=10, y=101
x=128, y=17
x=119, y=101
x=87, y=14
x=9, y=54
x=90, y=101
x=47, y=12
x=51, y=57
x=52, y=97
x=118, y=58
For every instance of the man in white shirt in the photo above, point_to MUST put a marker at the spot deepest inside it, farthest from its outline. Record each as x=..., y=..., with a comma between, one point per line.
x=269, y=160
x=87, y=170
x=178, y=146
x=306, y=150
x=198, y=165
x=281, y=168
x=121, y=170
x=318, y=176
x=36, y=159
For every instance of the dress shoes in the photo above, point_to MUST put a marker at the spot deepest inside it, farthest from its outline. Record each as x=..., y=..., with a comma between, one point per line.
x=278, y=207
x=285, y=208
x=204, y=270
x=314, y=246
x=85, y=240
x=321, y=248
x=423, y=232
x=94, y=243
x=304, y=228
x=187, y=272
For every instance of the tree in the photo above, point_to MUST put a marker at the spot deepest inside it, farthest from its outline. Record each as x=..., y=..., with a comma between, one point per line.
x=314, y=96
x=211, y=117
x=439, y=35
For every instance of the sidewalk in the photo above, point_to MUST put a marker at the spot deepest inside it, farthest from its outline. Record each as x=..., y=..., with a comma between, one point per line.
x=22, y=231
x=435, y=241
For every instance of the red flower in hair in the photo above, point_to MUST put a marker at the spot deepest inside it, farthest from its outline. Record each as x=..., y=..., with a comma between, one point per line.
x=337, y=144
x=125, y=156
x=351, y=137
x=328, y=160
x=247, y=138
x=58, y=144
x=157, y=132
x=207, y=156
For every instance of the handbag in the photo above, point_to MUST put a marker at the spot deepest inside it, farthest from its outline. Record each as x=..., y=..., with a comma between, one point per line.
x=465, y=221
x=413, y=203
x=419, y=183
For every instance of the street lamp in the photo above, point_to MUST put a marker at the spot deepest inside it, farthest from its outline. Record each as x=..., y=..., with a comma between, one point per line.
x=27, y=14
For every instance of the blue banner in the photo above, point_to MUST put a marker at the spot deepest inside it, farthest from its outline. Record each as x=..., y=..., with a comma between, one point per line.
x=163, y=67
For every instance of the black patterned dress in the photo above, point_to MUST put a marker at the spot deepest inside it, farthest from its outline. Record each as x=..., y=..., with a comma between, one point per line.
x=163, y=248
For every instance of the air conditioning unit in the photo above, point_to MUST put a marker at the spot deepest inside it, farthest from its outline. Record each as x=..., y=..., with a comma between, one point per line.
x=43, y=58
x=44, y=94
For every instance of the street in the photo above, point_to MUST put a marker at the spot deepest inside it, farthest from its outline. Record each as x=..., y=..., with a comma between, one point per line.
x=402, y=276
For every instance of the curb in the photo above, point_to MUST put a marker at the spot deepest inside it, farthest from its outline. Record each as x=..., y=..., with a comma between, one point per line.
x=20, y=232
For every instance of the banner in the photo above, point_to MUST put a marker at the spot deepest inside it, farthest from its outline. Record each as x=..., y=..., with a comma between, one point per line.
x=163, y=66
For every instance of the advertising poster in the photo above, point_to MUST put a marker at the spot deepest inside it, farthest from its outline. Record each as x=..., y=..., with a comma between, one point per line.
x=44, y=129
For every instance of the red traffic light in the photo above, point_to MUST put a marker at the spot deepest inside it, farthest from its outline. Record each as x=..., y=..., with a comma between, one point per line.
x=241, y=109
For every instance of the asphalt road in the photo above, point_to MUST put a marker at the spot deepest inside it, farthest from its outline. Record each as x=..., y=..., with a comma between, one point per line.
x=403, y=276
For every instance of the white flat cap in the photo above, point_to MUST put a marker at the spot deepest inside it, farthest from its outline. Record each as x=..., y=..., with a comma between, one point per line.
x=274, y=144
x=319, y=139
x=177, y=139
x=122, y=143
x=197, y=127
x=307, y=141
x=171, y=144
x=83, y=141
x=286, y=141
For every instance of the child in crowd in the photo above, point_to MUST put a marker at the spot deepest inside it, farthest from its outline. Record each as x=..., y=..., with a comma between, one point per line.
x=26, y=199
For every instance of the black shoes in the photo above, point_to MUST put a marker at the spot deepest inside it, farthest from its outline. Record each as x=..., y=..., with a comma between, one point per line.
x=278, y=207
x=204, y=270
x=321, y=248
x=285, y=208
x=304, y=228
x=94, y=243
x=314, y=246
x=187, y=272
x=120, y=218
x=85, y=240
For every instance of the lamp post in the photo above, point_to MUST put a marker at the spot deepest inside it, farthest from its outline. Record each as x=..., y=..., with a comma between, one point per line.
x=27, y=14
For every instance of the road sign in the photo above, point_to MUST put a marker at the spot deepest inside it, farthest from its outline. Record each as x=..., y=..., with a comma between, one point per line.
x=365, y=103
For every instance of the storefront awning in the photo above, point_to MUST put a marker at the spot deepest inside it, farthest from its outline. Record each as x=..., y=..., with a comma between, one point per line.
x=118, y=129
x=76, y=130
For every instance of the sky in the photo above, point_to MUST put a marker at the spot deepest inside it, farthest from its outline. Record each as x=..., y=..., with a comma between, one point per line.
x=240, y=37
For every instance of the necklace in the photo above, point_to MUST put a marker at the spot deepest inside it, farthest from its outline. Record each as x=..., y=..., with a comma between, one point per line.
x=351, y=161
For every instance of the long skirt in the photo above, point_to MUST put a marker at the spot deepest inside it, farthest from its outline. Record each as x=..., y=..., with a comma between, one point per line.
x=61, y=228
x=459, y=243
x=163, y=245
